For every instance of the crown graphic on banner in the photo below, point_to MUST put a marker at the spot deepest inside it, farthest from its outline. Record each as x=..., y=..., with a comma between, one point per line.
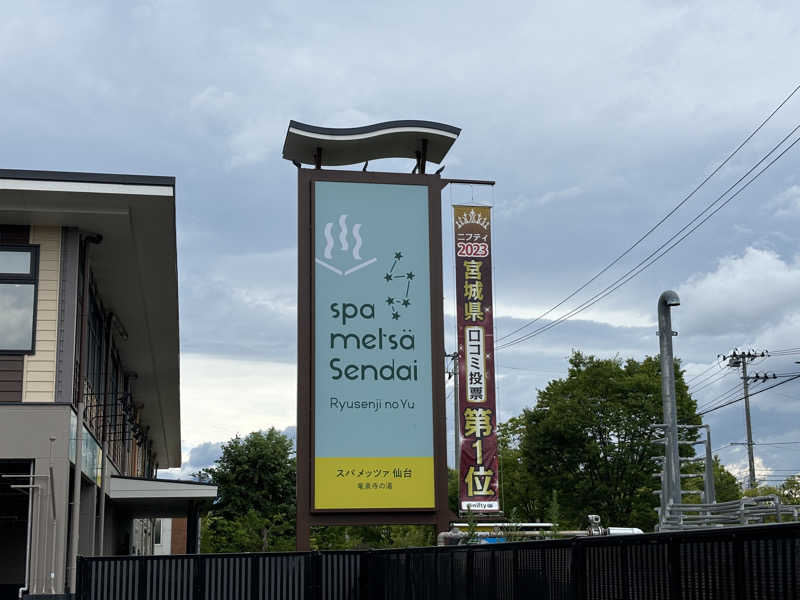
x=472, y=218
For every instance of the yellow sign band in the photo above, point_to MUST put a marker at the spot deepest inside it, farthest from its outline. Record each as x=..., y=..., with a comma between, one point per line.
x=387, y=482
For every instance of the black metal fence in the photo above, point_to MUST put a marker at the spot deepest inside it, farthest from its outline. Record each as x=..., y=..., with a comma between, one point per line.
x=743, y=563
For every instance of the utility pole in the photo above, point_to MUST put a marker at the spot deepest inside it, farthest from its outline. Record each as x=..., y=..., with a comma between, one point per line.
x=735, y=360
x=671, y=493
x=748, y=425
x=709, y=491
x=456, y=417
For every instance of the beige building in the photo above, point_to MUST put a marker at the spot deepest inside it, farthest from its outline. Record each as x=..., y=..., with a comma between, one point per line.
x=89, y=373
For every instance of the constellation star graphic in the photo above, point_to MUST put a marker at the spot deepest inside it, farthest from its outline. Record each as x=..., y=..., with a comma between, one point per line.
x=403, y=301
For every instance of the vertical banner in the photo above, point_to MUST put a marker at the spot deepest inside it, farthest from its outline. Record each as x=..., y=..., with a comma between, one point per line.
x=477, y=414
x=373, y=385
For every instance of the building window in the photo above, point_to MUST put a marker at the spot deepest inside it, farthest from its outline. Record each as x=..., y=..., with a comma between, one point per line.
x=157, y=532
x=19, y=267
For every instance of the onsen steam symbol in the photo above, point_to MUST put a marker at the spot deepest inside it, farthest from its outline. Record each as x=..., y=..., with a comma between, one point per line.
x=344, y=246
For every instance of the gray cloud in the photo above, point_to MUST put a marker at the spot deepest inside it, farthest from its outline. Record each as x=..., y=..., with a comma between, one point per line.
x=787, y=203
x=204, y=455
x=594, y=119
x=199, y=457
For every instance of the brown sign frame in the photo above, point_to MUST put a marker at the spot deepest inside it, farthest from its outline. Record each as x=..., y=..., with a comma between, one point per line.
x=307, y=516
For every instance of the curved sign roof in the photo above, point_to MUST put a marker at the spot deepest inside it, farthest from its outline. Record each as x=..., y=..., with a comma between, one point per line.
x=351, y=145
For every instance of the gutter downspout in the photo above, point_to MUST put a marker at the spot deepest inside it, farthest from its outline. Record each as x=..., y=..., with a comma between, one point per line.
x=76, y=475
x=100, y=537
x=55, y=520
x=24, y=590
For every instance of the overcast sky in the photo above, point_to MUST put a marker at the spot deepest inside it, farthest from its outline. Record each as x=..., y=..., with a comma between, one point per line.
x=594, y=118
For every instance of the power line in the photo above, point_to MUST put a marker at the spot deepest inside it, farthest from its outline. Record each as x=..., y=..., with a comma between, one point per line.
x=653, y=257
x=708, y=377
x=774, y=443
x=721, y=398
x=529, y=370
x=707, y=383
x=785, y=381
x=724, y=446
x=765, y=376
x=695, y=377
x=636, y=270
x=691, y=380
x=785, y=351
x=727, y=392
x=778, y=470
x=658, y=224
x=718, y=402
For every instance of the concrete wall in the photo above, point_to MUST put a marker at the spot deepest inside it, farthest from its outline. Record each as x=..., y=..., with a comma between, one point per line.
x=26, y=433
x=39, y=371
x=88, y=516
x=117, y=532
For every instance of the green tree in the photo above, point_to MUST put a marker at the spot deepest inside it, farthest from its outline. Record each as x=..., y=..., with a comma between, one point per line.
x=589, y=438
x=250, y=532
x=516, y=487
x=452, y=490
x=255, y=507
x=726, y=486
x=790, y=490
x=554, y=513
x=371, y=537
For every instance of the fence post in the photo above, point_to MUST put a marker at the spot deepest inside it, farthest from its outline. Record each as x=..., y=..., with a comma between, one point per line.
x=492, y=570
x=85, y=572
x=624, y=584
x=674, y=567
x=364, y=568
x=452, y=572
x=142, y=579
x=435, y=572
x=578, y=569
x=515, y=573
x=255, y=577
x=739, y=570
x=470, y=574
x=79, y=579
x=199, y=576
x=313, y=571
x=407, y=589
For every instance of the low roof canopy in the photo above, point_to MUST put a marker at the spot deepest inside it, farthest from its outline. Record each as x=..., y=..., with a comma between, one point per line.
x=135, y=267
x=141, y=498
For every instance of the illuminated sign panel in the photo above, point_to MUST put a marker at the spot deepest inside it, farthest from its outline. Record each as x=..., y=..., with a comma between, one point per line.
x=477, y=413
x=373, y=386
